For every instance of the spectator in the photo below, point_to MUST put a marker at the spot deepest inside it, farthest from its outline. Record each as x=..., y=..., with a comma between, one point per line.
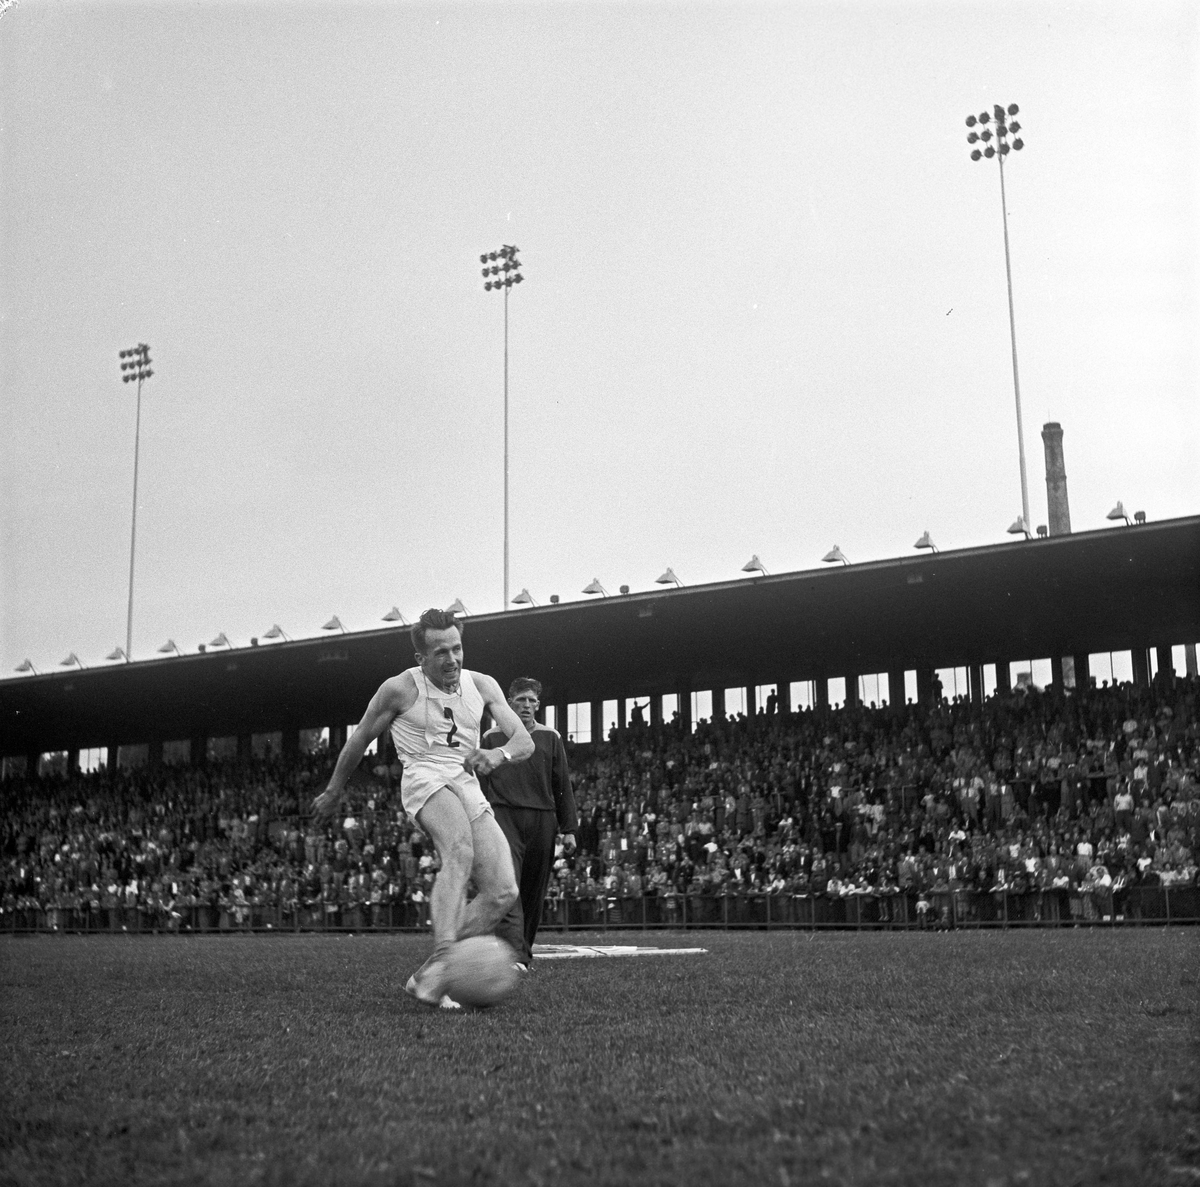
x=1030, y=788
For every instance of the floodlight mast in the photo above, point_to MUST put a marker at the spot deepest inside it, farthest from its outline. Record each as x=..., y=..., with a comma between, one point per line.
x=503, y=267
x=135, y=364
x=1000, y=150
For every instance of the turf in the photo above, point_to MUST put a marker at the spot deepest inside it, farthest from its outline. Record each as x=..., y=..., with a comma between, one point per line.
x=963, y=1058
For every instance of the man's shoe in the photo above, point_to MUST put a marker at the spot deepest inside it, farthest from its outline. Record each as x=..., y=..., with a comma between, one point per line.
x=427, y=997
x=444, y=1002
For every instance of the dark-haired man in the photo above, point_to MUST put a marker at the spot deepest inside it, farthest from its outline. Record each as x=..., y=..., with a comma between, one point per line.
x=533, y=802
x=434, y=711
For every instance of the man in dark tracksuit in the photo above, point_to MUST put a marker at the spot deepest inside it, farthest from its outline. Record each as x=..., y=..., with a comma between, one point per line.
x=532, y=801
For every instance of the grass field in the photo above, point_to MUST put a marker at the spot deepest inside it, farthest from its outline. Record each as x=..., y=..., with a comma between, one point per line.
x=992, y=1059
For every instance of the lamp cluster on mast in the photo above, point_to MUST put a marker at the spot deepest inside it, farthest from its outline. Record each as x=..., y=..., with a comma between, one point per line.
x=995, y=126
x=501, y=270
x=502, y=267
x=135, y=366
x=135, y=363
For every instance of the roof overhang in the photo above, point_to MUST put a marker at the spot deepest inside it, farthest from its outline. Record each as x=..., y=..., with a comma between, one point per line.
x=1108, y=590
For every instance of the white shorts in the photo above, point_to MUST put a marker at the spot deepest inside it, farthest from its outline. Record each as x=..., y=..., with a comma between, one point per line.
x=421, y=780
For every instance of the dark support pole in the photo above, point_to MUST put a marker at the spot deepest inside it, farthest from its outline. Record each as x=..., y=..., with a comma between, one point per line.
x=656, y=713
x=853, y=700
x=684, y=697
x=1189, y=658
x=1056, y=671
x=561, y=717
x=752, y=706
x=783, y=696
x=1141, y=666
x=598, y=722
x=924, y=687
x=112, y=756
x=1003, y=676
x=1166, y=665
x=245, y=746
x=821, y=691
x=1083, y=675
x=975, y=679
x=896, y=697
x=621, y=715
x=718, y=702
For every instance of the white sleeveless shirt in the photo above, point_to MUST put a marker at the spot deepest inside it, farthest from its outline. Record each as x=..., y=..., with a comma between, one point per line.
x=440, y=728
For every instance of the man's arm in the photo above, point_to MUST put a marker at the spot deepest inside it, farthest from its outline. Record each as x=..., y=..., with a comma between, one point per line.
x=519, y=745
x=564, y=799
x=393, y=697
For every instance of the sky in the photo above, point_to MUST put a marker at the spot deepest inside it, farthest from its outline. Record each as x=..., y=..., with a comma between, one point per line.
x=764, y=307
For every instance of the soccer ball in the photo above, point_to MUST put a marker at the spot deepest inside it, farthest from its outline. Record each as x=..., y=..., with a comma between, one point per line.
x=479, y=971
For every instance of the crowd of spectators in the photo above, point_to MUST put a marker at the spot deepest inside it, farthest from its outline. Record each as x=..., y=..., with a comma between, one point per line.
x=1087, y=793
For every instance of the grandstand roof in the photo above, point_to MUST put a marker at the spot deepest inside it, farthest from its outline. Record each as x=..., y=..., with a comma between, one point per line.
x=1098, y=591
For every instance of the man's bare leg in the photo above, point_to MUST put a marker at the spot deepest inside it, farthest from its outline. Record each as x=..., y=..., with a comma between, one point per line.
x=495, y=879
x=444, y=820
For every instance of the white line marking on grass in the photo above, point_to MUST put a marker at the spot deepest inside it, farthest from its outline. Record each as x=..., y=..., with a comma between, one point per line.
x=575, y=951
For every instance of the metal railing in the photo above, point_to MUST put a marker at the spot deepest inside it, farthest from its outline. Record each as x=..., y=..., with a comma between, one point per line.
x=901, y=911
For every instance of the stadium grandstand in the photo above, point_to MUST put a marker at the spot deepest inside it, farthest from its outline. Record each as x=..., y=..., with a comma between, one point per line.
x=869, y=745
x=878, y=631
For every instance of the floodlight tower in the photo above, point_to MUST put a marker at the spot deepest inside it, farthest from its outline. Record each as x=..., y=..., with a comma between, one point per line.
x=501, y=271
x=135, y=364
x=996, y=128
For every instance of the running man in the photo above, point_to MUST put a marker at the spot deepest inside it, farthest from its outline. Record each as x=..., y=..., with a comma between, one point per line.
x=434, y=712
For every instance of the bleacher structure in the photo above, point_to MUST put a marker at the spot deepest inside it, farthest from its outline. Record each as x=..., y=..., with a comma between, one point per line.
x=1132, y=588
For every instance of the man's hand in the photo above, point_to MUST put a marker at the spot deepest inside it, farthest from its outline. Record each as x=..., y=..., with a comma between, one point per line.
x=484, y=762
x=324, y=805
x=568, y=840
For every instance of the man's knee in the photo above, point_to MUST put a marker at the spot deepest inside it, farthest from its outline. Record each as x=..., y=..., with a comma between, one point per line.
x=456, y=850
x=509, y=895
x=457, y=853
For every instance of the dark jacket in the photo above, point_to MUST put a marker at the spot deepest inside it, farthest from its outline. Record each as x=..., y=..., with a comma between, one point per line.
x=541, y=781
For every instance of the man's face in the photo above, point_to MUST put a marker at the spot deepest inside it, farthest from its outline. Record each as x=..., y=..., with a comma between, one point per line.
x=442, y=659
x=525, y=706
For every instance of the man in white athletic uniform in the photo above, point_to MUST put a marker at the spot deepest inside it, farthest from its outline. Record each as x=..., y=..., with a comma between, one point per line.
x=434, y=712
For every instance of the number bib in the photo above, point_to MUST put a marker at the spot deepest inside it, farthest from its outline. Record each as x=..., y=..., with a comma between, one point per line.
x=440, y=727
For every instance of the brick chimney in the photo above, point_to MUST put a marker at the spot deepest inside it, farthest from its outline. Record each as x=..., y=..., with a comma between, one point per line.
x=1056, y=480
